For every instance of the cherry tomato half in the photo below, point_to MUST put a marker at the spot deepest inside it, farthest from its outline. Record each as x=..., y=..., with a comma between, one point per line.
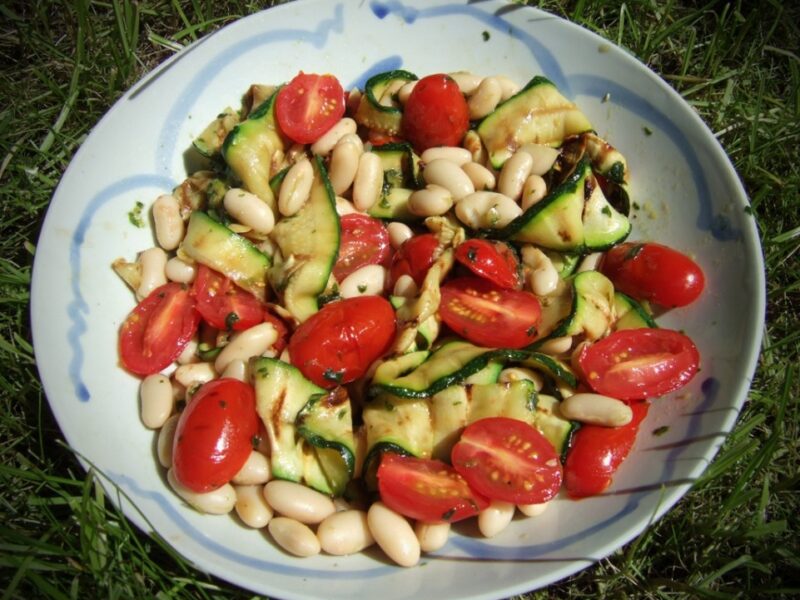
x=487, y=315
x=155, y=333
x=337, y=344
x=364, y=241
x=596, y=452
x=436, y=113
x=654, y=272
x=223, y=304
x=506, y=459
x=414, y=258
x=308, y=106
x=632, y=364
x=215, y=434
x=427, y=490
x=494, y=261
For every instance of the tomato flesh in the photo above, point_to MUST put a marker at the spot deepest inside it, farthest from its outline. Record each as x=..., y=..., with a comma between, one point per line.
x=308, y=106
x=223, y=304
x=654, y=272
x=506, y=459
x=215, y=434
x=427, y=490
x=414, y=258
x=488, y=315
x=632, y=364
x=436, y=113
x=364, y=241
x=337, y=344
x=494, y=261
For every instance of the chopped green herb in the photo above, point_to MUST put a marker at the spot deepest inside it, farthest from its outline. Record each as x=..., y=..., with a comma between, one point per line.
x=661, y=430
x=334, y=376
x=606, y=210
x=362, y=287
x=647, y=130
x=636, y=206
x=486, y=35
x=748, y=210
x=634, y=251
x=606, y=98
x=447, y=515
x=230, y=320
x=341, y=414
x=472, y=254
x=135, y=215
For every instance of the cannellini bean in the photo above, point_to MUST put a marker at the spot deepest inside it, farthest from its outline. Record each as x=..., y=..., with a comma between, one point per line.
x=450, y=176
x=512, y=374
x=345, y=207
x=326, y=143
x=236, y=369
x=369, y=280
x=189, y=353
x=179, y=270
x=454, y=154
x=405, y=91
x=393, y=534
x=431, y=536
x=544, y=276
x=194, y=373
x=485, y=99
x=296, y=188
x=344, y=163
x=154, y=263
x=472, y=142
x=248, y=209
x=168, y=222
x=178, y=390
x=251, y=506
x=246, y=344
x=495, y=518
x=155, y=393
x=255, y=470
x=368, y=181
x=432, y=201
x=398, y=233
x=533, y=191
x=543, y=157
x=467, y=82
x=556, y=346
x=345, y=532
x=296, y=153
x=216, y=502
x=166, y=436
x=341, y=504
x=481, y=210
x=533, y=510
x=405, y=286
x=294, y=537
x=508, y=86
x=298, y=502
x=513, y=175
x=278, y=161
x=590, y=262
x=481, y=177
x=596, y=409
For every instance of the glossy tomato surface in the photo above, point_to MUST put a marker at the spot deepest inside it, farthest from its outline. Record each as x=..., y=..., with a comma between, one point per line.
x=488, y=315
x=436, y=113
x=494, y=261
x=223, y=304
x=364, y=241
x=633, y=364
x=155, y=333
x=215, y=434
x=427, y=490
x=308, y=106
x=509, y=460
x=414, y=258
x=596, y=453
x=337, y=344
x=654, y=272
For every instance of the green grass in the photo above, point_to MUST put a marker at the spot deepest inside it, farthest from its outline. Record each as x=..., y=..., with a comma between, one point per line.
x=735, y=535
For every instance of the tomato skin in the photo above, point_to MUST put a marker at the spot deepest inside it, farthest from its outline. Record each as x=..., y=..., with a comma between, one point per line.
x=632, y=364
x=596, y=452
x=215, y=434
x=414, y=258
x=527, y=464
x=436, y=113
x=223, y=304
x=364, y=241
x=654, y=272
x=155, y=332
x=427, y=490
x=337, y=344
x=308, y=106
x=487, y=315
x=494, y=261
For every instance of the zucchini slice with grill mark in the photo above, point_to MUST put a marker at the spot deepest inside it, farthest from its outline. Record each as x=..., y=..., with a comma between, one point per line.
x=209, y=142
x=631, y=314
x=401, y=176
x=385, y=116
x=552, y=425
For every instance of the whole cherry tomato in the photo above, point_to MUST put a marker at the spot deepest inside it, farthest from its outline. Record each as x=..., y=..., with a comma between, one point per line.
x=308, y=106
x=414, y=258
x=436, y=113
x=364, y=241
x=494, y=261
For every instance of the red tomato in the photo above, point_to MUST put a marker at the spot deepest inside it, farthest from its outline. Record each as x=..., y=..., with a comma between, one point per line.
x=414, y=258
x=487, y=315
x=426, y=490
x=632, y=364
x=308, y=106
x=436, y=113
x=494, y=261
x=158, y=329
x=337, y=344
x=223, y=304
x=379, y=138
x=506, y=459
x=364, y=241
x=596, y=452
x=215, y=434
x=654, y=272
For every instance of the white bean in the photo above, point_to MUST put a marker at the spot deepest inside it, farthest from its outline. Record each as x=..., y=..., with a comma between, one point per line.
x=590, y=262
x=556, y=346
x=248, y=209
x=296, y=188
x=251, y=506
x=533, y=191
x=368, y=181
x=180, y=271
x=448, y=175
x=405, y=91
x=431, y=536
x=345, y=207
x=166, y=436
x=393, y=534
x=485, y=99
x=345, y=532
x=189, y=353
x=344, y=163
x=298, y=501
x=472, y=142
x=154, y=264
x=255, y=470
x=325, y=144
x=481, y=177
x=513, y=175
x=454, y=154
x=216, y=502
x=294, y=537
x=467, y=82
x=370, y=280
x=481, y=210
x=508, y=86
x=191, y=374
x=405, y=286
x=544, y=276
x=543, y=157
x=246, y=344
x=168, y=222
x=398, y=233
x=533, y=510
x=155, y=393
x=236, y=369
x=513, y=374
x=432, y=201
x=296, y=153
x=596, y=409
x=495, y=518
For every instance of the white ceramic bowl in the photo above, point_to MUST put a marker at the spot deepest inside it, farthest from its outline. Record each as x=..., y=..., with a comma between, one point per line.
x=690, y=198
